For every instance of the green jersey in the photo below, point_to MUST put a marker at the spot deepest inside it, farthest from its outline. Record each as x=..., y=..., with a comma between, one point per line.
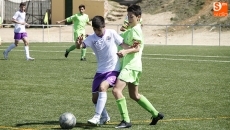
x=133, y=60
x=79, y=20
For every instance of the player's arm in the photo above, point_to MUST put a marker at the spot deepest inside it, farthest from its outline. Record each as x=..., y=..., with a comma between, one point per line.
x=124, y=27
x=129, y=49
x=61, y=21
x=22, y=23
x=88, y=23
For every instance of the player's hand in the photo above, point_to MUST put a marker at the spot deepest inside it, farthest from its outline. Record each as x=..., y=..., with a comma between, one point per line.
x=121, y=53
x=135, y=43
x=80, y=39
x=58, y=22
x=27, y=25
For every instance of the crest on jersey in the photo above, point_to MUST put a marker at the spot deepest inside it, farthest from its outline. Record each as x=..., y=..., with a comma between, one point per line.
x=108, y=38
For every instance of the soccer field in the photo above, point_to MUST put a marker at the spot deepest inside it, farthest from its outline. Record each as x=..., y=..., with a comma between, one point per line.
x=190, y=85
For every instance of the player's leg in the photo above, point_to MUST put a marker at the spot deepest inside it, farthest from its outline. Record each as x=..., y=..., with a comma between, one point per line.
x=83, y=53
x=73, y=47
x=26, y=46
x=110, y=80
x=17, y=37
x=120, y=99
x=98, y=79
x=100, y=103
x=101, y=84
x=142, y=100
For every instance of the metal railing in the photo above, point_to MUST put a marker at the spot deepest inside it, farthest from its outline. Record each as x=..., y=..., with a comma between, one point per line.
x=154, y=34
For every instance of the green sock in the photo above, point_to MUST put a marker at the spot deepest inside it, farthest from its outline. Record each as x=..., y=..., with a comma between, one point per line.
x=72, y=48
x=83, y=52
x=144, y=102
x=122, y=106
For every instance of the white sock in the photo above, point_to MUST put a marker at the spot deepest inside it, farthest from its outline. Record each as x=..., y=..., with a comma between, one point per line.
x=12, y=46
x=100, y=104
x=27, y=51
x=104, y=113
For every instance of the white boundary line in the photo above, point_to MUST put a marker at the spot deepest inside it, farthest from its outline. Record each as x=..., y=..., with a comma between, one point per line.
x=195, y=60
x=186, y=60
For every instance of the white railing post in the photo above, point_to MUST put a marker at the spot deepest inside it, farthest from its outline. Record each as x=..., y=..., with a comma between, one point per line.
x=166, y=35
x=192, y=33
x=43, y=33
x=219, y=33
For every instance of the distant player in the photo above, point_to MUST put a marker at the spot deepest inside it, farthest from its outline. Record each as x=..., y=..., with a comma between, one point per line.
x=104, y=43
x=131, y=69
x=79, y=20
x=19, y=32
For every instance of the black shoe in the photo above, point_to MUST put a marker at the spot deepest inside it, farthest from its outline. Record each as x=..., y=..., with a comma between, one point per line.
x=83, y=59
x=156, y=119
x=66, y=53
x=124, y=124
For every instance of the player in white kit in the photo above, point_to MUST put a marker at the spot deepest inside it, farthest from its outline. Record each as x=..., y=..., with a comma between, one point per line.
x=104, y=43
x=19, y=32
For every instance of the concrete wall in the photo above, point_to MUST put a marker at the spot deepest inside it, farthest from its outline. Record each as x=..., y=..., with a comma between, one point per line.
x=92, y=7
x=57, y=10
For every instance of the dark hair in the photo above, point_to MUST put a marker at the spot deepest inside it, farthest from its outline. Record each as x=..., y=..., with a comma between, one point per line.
x=80, y=6
x=22, y=4
x=98, y=22
x=135, y=9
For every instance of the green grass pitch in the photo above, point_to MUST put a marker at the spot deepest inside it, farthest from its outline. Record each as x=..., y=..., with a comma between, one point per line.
x=189, y=84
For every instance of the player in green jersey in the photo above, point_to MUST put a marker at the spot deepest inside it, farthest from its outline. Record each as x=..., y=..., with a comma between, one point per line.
x=79, y=20
x=131, y=69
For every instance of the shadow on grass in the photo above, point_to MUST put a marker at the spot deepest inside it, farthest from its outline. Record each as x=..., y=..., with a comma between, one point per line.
x=38, y=123
x=56, y=123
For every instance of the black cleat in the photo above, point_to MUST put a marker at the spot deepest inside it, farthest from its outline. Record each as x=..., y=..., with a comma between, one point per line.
x=156, y=119
x=123, y=124
x=66, y=53
x=83, y=59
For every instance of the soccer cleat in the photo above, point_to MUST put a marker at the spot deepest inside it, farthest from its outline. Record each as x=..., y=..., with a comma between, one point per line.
x=66, y=53
x=83, y=59
x=104, y=120
x=123, y=124
x=156, y=119
x=94, y=121
x=5, y=54
x=30, y=58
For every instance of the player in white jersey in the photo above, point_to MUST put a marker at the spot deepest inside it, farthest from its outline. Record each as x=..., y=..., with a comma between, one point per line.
x=104, y=43
x=19, y=32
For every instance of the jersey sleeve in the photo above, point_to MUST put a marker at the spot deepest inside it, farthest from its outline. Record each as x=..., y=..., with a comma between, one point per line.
x=88, y=41
x=118, y=39
x=137, y=35
x=87, y=20
x=71, y=18
x=15, y=15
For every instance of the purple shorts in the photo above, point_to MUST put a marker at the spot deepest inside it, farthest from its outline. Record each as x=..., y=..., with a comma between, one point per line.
x=19, y=36
x=110, y=77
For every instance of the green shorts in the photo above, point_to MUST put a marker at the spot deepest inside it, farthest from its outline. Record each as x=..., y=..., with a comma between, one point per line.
x=130, y=76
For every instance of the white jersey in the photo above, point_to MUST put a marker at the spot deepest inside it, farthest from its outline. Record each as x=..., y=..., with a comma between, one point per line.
x=105, y=49
x=20, y=17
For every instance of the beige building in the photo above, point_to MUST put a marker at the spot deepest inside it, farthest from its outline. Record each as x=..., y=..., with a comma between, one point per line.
x=93, y=7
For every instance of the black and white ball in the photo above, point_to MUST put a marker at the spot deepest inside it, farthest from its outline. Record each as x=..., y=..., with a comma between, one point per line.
x=67, y=120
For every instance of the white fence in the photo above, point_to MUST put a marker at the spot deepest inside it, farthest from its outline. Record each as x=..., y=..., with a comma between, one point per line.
x=210, y=35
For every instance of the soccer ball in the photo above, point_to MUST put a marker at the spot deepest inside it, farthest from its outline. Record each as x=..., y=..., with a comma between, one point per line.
x=67, y=120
